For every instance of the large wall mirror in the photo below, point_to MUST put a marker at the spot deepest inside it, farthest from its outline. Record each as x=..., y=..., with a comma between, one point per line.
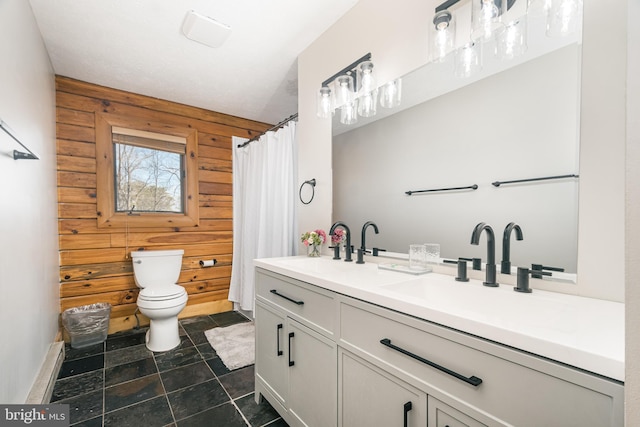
x=514, y=120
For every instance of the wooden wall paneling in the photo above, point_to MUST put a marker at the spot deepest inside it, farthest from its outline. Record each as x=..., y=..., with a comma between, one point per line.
x=76, y=148
x=95, y=264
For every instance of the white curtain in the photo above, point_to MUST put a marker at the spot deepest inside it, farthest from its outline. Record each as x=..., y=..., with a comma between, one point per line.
x=264, y=206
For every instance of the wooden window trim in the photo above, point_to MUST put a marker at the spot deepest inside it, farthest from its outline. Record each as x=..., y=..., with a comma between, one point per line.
x=105, y=185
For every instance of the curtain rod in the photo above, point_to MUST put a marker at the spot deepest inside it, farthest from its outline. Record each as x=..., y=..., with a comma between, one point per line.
x=279, y=125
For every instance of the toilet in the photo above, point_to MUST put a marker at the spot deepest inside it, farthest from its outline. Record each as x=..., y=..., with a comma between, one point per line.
x=160, y=299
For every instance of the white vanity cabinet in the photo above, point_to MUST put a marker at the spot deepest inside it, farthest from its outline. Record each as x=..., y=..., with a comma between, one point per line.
x=357, y=363
x=296, y=363
x=370, y=396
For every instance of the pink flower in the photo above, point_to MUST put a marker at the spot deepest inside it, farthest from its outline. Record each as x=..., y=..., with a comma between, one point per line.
x=337, y=236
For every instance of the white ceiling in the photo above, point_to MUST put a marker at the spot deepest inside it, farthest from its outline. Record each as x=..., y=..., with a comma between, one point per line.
x=138, y=46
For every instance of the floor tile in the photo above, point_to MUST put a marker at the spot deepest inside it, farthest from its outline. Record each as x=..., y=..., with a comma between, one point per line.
x=150, y=413
x=126, y=339
x=196, y=326
x=129, y=371
x=131, y=392
x=93, y=422
x=125, y=355
x=77, y=385
x=185, y=376
x=197, y=398
x=81, y=366
x=277, y=423
x=217, y=366
x=228, y=318
x=257, y=414
x=224, y=415
x=71, y=353
x=239, y=382
x=206, y=351
x=84, y=407
x=176, y=358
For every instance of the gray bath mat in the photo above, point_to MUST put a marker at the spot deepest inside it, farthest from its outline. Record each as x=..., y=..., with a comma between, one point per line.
x=235, y=344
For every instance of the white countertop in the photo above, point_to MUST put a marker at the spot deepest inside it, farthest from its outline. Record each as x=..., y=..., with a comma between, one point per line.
x=583, y=332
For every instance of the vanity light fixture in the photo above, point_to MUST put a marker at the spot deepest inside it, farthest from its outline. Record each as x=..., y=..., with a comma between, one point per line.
x=468, y=59
x=443, y=35
x=512, y=42
x=354, y=91
x=563, y=17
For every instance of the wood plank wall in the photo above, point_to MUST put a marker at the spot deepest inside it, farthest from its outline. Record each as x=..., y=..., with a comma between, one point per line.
x=94, y=262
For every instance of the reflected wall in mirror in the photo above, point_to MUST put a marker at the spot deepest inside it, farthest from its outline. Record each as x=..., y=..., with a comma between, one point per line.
x=519, y=123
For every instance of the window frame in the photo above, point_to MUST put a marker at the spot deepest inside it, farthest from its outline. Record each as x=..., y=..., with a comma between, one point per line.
x=107, y=216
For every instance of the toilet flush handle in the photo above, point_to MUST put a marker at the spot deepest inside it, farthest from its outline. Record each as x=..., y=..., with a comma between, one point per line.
x=138, y=261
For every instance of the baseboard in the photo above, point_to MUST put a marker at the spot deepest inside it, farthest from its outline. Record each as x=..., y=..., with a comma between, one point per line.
x=43, y=386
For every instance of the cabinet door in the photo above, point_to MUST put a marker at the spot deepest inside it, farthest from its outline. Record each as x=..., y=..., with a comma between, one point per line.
x=443, y=415
x=271, y=351
x=371, y=397
x=312, y=361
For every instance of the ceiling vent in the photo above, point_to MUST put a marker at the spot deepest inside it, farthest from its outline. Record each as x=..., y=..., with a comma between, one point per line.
x=205, y=30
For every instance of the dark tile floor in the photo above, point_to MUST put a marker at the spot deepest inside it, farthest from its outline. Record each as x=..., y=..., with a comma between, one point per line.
x=121, y=383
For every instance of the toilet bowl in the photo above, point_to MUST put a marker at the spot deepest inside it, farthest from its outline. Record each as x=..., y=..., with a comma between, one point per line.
x=160, y=299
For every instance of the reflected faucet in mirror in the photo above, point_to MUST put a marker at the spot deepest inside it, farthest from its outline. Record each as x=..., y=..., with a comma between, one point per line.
x=505, y=265
x=341, y=224
x=363, y=245
x=491, y=252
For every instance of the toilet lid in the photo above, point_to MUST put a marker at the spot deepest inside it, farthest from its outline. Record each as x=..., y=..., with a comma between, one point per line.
x=161, y=292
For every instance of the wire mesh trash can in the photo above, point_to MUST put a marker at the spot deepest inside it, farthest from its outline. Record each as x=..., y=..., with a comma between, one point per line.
x=87, y=325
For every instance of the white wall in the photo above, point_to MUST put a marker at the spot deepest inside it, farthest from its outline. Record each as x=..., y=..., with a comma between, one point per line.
x=632, y=226
x=28, y=211
x=520, y=123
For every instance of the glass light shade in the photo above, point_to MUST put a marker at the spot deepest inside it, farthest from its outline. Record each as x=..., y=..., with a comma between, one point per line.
x=366, y=77
x=486, y=18
x=349, y=113
x=537, y=8
x=468, y=60
x=368, y=103
x=391, y=94
x=563, y=18
x=344, y=90
x=512, y=42
x=323, y=103
x=442, y=35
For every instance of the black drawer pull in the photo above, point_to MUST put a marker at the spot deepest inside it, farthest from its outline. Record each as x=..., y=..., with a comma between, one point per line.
x=473, y=380
x=407, y=407
x=291, y=362
x=275, y=292
x=279, y=352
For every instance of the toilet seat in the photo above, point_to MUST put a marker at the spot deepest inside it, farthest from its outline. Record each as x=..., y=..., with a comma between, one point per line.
x=161, y=292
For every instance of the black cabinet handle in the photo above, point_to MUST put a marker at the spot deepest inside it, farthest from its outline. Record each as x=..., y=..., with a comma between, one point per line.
x=473, y=380
x=275, y=292
x=278, y=339
x=291, y=362
x=407, y=407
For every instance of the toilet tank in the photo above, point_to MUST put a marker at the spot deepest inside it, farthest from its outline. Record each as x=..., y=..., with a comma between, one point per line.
x=151, y=268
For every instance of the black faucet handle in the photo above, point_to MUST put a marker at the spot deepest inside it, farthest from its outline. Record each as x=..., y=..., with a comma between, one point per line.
x=377, y=250
x=462, y=271
x=523, y=278
x=538, y=269
x=476, y=262
x=336, y=251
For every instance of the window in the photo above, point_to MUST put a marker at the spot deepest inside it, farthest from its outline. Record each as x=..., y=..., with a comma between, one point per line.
x=146, y=174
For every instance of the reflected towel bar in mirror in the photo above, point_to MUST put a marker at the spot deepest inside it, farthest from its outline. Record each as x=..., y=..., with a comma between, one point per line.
x=470, y=187
x=499, y=183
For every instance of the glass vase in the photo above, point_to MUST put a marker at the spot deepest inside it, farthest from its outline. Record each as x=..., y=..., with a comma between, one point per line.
x=313, y=250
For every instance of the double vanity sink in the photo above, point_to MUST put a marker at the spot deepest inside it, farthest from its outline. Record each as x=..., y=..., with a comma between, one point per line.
x=344, y=344
x=582, y=332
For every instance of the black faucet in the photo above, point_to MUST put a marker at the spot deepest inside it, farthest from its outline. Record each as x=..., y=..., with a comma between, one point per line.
x=491, y=252
x=505, y=265
x=335, y=225
x=363, y=245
